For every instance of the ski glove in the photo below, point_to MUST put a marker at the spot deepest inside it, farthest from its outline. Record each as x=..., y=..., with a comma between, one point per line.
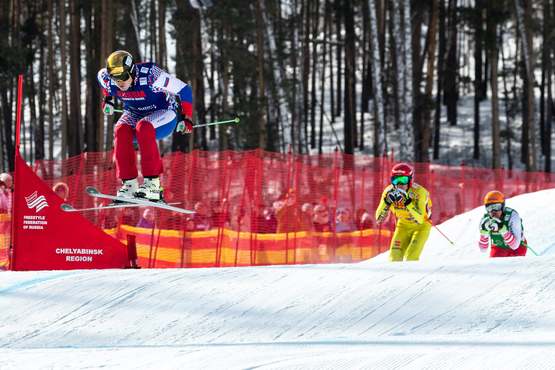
x=397, y=196
x=501, y=229
x=493, y=225
x=406, y=198
x=185, y=126
x=392, y=196
x=108, y=106
x=484, y=224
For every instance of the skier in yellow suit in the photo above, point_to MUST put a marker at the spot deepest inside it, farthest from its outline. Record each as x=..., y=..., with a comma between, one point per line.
x=412, y=207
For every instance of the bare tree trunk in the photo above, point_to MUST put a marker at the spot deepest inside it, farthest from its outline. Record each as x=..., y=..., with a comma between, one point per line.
x=432, y=42
x=106, y=47
x=417, y=18
x=224, y=81
x=92, y=103
x=549, y=121
x=395, y=37
x=39, y=133
x=11, y=18
x=528, y=126
x=262, y=134
x=75, y=131
x=162, y=50
x=63, y=61
x=224, y=88
x=279, y=75
x=8, y=133
x=495, y=130
x=198, y=75
x=338, y=56
x=331, y=69
x=153, y=31
x=211, y=77
x=132, y=37
x=407, y=128
x=440, y=78
x=5, y=114
x=300, y=90
x=181, y=22
x=451, y=66
x=301, y=37
x=350, y=80
x=547, y=71
x=323, y=87
x=507, y=111
x=380, y=143
x=365, y=61
x=477, y=75
x=51, y=77
x=315, y=30
x=403, y=73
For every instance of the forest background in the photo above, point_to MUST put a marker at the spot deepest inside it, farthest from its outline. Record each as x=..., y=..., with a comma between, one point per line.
x=378, y=75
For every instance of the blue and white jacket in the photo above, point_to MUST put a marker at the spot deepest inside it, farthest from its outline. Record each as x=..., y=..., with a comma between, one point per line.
x=152, y=89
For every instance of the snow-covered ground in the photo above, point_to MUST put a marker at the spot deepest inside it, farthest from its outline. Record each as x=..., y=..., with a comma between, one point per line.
x=455, y=308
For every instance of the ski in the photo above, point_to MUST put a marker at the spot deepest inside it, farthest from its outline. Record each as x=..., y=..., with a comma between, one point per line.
x=93, y=192
x=69, y=208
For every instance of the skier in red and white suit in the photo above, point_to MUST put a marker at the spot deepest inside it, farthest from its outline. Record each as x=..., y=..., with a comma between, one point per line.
x=503, y=226
x=150, y=112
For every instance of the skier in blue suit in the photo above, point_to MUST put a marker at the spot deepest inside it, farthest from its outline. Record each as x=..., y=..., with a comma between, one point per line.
x=150, y=113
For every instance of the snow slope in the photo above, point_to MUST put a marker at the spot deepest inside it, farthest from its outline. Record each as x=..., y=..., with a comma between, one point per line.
x=455, y=308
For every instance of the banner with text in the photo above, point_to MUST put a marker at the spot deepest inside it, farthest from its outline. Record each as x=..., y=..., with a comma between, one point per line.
x=47, y=238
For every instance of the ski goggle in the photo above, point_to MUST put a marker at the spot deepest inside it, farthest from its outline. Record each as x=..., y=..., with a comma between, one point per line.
x=400, y=180
x=494, y=207
x=121, y=77
x=121, y=73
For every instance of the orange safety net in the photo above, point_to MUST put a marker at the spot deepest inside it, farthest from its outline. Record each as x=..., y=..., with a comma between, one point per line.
x=258, y=208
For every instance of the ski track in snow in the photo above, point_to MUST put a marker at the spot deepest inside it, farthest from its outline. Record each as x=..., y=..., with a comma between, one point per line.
x=456, y=308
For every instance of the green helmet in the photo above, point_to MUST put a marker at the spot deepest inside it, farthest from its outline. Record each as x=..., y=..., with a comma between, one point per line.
x=120, y=65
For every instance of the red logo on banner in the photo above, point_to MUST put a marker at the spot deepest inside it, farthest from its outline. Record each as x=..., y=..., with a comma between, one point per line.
x=47, y=238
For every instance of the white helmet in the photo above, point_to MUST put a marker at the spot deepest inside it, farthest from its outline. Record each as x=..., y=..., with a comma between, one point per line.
x=6, y=178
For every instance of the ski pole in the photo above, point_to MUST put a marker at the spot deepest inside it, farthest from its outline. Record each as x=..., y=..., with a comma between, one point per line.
x=235, y=120
x=442, y=234
x=533, y=251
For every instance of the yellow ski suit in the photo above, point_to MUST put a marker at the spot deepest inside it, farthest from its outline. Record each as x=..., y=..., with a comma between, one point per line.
x=413, y=223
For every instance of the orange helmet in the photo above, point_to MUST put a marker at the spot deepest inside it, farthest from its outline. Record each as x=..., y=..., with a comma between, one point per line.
x=494, y=197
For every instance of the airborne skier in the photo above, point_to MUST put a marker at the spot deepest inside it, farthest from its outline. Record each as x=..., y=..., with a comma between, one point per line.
x=411, y=205
x=150, y=113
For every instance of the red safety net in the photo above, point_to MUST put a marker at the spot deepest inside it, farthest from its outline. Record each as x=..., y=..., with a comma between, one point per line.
x=257, y=207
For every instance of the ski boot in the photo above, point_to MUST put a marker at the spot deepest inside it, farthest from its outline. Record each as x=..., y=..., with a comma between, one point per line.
x=128, y=188
x=150, y=190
